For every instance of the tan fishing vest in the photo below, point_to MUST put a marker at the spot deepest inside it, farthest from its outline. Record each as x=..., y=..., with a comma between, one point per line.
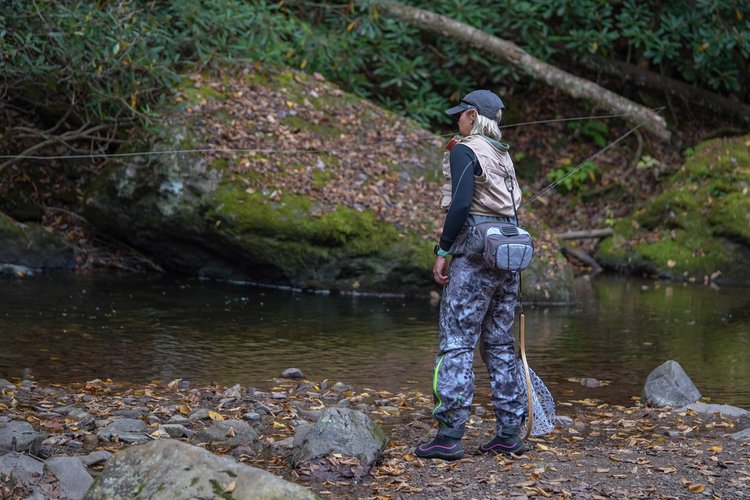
x=491, y=196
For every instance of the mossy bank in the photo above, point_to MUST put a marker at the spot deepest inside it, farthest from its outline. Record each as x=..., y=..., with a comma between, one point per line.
x=698, y=229
x=275, y=177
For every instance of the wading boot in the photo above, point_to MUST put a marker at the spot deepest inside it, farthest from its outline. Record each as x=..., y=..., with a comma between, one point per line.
x=506, y=442
x=444, y=447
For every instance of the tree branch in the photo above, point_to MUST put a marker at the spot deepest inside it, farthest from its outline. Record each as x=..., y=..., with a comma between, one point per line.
x=507, y=51
x=80, y=133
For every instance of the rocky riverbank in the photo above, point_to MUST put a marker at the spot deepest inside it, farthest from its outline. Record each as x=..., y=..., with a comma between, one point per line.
x=597, y=450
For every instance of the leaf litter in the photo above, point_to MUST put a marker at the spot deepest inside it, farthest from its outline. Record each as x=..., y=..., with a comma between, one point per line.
x=618, y=451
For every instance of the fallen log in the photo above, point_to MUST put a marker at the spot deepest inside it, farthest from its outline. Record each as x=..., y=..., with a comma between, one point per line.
x=583, y=257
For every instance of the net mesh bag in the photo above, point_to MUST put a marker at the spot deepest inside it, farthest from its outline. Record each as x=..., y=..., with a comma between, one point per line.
x=543, y=405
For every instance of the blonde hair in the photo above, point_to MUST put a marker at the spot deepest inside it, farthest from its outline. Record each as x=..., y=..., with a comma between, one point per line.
x=487, y=126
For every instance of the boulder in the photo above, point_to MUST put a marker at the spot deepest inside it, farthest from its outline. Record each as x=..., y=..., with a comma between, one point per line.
x=669, y=385
x=743, y=435
x=344, y=431
x=160, y=469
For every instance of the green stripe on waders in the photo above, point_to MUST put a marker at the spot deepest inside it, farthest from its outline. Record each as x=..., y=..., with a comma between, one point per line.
x=435, y=385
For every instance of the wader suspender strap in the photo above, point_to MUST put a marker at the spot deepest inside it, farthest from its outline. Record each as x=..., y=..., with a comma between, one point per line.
x=522, y=330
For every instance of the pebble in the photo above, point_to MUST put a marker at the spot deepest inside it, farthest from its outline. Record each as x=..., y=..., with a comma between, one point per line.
x=74, y=445
x=260, y=407
x=130, y=412
x=310, y=414
x=177, y=431
x=564, y=421
x=177, y=419
x=90, y=441
x=4, y=384
x=339, y=387
x=96, y=457
x=199, y=414
x=590, y=382
x=251, y=416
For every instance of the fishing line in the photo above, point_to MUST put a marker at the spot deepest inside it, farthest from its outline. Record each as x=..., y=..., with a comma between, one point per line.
x=368, y=147
x=586, y=162
x=557, y=120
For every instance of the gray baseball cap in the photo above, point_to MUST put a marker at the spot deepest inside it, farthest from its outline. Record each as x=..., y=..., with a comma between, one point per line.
x=486, y=103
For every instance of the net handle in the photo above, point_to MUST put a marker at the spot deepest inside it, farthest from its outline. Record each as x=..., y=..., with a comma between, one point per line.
x=529, y=388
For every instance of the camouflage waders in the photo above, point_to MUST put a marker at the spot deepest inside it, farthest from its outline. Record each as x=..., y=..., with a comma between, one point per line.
x=478, y=302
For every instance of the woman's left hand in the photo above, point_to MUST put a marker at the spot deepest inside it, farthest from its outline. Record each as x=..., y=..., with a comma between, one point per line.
x=440, y=270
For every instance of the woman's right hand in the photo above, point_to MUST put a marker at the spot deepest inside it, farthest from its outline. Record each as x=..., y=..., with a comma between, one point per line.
x=440, y=270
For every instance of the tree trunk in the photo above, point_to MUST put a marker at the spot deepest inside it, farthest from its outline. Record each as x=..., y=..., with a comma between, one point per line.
x=572, y=85
x=649, y=79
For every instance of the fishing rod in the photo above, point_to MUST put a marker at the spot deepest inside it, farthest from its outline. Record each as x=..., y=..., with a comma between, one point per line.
x=585, y=162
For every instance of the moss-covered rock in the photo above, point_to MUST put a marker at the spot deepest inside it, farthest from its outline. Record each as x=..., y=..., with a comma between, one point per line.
x=699, y=228
x=303, y=186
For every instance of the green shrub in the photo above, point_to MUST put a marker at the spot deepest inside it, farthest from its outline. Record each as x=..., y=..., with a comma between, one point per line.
x=111, y=62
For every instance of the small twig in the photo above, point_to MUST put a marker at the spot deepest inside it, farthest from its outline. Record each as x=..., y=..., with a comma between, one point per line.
x=593, y=233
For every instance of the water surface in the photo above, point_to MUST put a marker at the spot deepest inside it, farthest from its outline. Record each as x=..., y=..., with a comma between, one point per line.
x=69, y=328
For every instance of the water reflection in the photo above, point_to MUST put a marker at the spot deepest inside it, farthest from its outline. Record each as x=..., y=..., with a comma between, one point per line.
x=68, y=328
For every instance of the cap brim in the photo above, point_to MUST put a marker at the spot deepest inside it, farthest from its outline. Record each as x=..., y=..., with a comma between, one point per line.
x=456, y=109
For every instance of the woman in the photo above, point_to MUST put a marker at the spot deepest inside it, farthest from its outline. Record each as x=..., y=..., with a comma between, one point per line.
x=478, y=301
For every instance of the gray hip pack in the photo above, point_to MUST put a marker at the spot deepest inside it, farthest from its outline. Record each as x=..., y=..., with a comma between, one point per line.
x=502, y=243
